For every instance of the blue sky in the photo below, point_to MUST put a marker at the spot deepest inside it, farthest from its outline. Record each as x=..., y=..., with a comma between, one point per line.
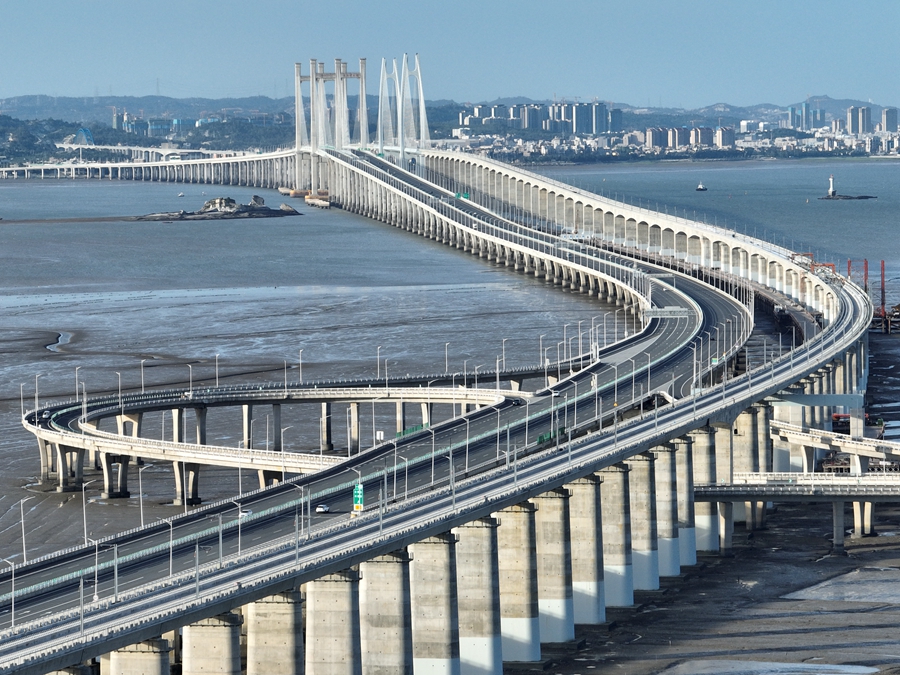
x=674, y=53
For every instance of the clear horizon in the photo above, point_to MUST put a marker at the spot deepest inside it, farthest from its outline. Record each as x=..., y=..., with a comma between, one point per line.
x=645, y=53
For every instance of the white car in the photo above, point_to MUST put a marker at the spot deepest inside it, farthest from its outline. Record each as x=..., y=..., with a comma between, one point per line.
x=322, y=508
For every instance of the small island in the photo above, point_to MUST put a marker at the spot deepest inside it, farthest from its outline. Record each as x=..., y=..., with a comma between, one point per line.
x=832, y=193
x=225, y=208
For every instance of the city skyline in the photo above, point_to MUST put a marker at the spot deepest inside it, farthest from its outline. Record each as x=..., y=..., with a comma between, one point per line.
x=644, y=53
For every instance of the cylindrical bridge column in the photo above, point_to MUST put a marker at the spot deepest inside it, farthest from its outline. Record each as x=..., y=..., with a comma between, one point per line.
x=478, y=592
x=275, y=635
x=385, y=615
x=644, y=553
x=667, y=511
x=684, y=469
x=519, y=624
x=554, y=558
x=618, y=574
x=213, y=646
x=325, y=442
x=586, y=530
x=332, y=625
x=150, y=657
x=706, y=517
x=435, y=621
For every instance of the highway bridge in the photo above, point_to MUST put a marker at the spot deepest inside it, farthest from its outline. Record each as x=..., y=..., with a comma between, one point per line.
x=476, y=538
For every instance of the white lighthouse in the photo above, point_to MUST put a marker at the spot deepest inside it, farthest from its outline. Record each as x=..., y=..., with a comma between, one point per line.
x=831, y=190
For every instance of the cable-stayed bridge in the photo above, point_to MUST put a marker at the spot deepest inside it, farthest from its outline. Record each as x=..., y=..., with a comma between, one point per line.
x=479, y=536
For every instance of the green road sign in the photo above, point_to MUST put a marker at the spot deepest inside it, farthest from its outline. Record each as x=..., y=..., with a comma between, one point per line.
x=358, y=497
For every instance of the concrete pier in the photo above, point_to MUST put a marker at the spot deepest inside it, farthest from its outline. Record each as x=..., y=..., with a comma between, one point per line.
x=554, y=558
x=275, y=635
x=706, y=517
x=586, y=531
x=618, y=574
x=684, y=470
x=519, y=624
x=435, y=620
x=332, y=625
x=384, y=615
x=667, y=511
x=150, y=657
x=644, y=552
x=213, y=646
x=478, y=593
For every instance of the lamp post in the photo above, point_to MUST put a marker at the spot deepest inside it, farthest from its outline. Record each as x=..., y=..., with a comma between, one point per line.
x=239, y=516
x=77, y=368
x=565, y=342
x=432, y=432
x=378, y=362
x=141, y=489
x=22, y=514
x=190, y=379
x=12, y=593
x=217, y=372
x=168, y=522
x=446, y=357
x=142, y=375
x=22, y=397
x=580, y=348
x=121, y=408
x=36, y=397
x=476, y=374
x=283, y=429
x=405, y=476
x=503, y=348
x=465, y=373
x=96, y=544
x=300, y=366
x=84, y=508
x=546, y=363
x=605, y=317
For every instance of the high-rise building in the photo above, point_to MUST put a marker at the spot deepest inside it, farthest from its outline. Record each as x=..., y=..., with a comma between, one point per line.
x=655, y=137
x=615, y=120
x=582, y=118
x=600, y=119
x=889, y=119
x=805, y=116
x=865, y=120
x=852, y=120
x=724, y=137
x=679, y=137
x=702, y=136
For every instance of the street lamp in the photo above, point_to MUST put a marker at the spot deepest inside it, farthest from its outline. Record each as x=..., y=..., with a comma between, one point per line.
x=36, y=397
x=12, y=593
x=300, y=365
x=84, y=508
x=141, y=489
x=77, y=368
x=283, y=429
x=191, y=378
x=168, y=521
x=121, y=409
x=22, y=513
x=565, y=343
x=481, y=365
x=96, y=544
x=446, y=357
x=503, y=348
x=405, y=476
x=142, y=376
x=541, y=353
x=217, y=373
x=378, y=362
x=239, y=516
x=22, y=397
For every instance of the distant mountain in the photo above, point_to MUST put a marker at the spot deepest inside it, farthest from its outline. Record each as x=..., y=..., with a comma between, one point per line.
x=92, y=109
